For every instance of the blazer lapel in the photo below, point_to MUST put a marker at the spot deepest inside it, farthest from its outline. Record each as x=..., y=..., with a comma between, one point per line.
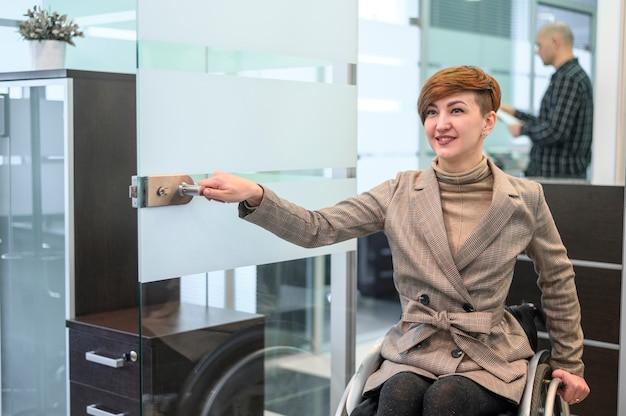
x=427, y=201
x=503, y=204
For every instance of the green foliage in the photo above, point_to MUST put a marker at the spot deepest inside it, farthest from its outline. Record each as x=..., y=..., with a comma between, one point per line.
x=45, y=25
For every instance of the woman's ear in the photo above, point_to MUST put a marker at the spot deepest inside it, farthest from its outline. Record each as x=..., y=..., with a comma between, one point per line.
x=490, y=123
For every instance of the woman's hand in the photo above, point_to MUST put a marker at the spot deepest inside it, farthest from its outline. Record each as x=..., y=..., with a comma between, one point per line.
x=224, y=187
x=574, y=389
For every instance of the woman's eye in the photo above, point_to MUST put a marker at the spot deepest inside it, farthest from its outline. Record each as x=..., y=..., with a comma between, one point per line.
x=430, y=112
x=457, y=110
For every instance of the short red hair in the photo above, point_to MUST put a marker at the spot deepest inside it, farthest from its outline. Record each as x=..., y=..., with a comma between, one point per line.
x=460, y=79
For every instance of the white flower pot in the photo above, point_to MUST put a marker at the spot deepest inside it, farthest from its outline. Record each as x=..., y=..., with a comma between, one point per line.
x=47, y=54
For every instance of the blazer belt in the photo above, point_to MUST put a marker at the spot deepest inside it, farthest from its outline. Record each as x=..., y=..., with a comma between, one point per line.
x=460, y=325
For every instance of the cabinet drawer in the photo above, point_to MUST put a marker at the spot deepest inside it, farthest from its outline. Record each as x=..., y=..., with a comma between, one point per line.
x=82, y=397
x=96, y=370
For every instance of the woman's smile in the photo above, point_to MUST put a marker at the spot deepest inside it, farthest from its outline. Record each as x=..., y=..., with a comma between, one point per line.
x=445, y=139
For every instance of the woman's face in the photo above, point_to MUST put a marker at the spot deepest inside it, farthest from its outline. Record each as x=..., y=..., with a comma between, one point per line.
x=455, y=129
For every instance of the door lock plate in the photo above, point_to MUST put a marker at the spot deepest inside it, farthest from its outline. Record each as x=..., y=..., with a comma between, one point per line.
x=162, y=190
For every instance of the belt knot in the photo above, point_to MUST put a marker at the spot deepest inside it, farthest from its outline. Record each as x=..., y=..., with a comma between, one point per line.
x=477, y=322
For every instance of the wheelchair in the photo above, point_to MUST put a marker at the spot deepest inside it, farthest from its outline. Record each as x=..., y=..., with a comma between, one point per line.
x=540, y=396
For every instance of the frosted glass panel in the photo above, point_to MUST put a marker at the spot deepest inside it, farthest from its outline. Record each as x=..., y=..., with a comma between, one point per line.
x=184, y=57
x=320, y=29
x=219, y=240
x=198, y=123
x=256, y=89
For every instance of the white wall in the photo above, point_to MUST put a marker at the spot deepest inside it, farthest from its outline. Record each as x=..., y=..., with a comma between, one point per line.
x=609, y=107
x=11, y=44
x=109, y=43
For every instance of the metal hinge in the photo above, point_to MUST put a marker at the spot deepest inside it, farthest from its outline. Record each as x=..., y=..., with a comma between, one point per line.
x=162, y=190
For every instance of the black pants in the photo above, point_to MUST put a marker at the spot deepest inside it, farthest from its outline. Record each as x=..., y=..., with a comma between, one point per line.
x=407, y=394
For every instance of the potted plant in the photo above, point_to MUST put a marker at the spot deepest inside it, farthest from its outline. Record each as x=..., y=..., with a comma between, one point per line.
x=48, y=33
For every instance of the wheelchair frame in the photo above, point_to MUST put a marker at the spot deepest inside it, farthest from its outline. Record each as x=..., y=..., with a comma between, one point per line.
x=539, y=398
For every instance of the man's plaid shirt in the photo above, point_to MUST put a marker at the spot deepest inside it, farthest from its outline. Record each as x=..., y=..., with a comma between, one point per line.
x=561, y=134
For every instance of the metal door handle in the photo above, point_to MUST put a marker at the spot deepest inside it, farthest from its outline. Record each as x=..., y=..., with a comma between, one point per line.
x=193, y=190
x=162, y=190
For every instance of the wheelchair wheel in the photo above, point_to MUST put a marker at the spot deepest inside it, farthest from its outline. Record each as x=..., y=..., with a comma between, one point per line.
x=242, y=393
x=540, y=392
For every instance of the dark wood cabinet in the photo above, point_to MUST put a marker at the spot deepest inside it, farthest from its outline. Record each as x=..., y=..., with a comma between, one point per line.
x=174, y=346
x=68, y=231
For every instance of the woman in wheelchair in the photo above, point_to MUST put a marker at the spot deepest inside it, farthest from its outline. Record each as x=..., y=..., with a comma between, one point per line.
x=455, y=230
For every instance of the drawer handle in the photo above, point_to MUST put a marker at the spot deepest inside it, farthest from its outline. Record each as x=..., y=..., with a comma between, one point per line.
x=101, y=359
x=93, y=410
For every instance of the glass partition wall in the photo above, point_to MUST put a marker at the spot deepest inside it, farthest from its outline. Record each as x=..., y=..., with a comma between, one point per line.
x=499, y=37
x=233, y=319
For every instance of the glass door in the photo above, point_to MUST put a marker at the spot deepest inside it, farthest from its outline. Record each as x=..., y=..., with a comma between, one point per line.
x=234, y=320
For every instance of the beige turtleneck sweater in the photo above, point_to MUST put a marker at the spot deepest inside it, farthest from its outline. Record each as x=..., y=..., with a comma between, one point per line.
x=465, y=198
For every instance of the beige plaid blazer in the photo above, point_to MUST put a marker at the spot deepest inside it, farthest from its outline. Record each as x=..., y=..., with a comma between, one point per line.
x=453, y=319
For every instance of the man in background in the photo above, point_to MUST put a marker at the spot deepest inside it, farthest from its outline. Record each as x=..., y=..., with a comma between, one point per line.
x=561, y=134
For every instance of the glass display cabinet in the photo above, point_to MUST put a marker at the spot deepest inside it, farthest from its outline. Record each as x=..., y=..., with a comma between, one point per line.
x=32, y=214
x=60, y=132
